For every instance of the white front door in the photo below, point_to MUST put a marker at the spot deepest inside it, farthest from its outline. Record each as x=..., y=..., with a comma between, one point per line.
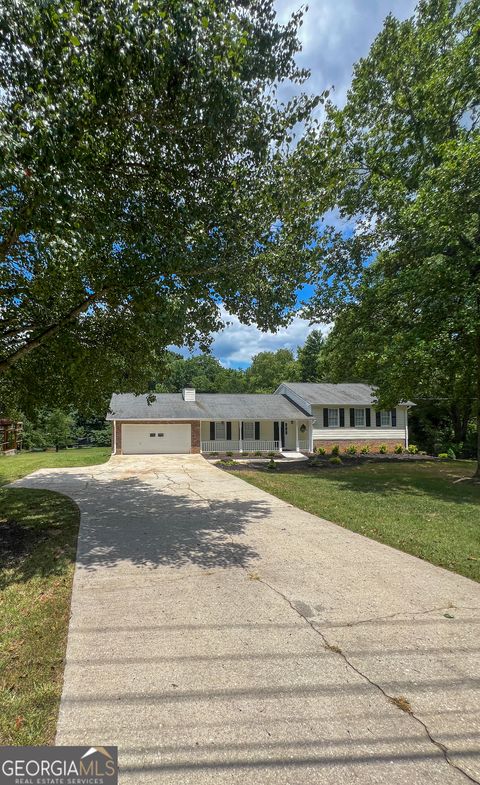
x=156, y=438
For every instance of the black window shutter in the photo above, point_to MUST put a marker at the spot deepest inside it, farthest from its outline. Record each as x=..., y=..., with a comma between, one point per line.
x=229, y=431
x=325, y=418
x=241, y=430
x=378, y=421
x=352, y=418
x=276, y=434
x=367, y=418
x=257, y=431
x=394, y=418
x=212, y=431
x=342, y=418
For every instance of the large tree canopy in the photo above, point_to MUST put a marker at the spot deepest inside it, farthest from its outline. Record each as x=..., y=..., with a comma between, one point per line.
x=146, y=176
x=402, y=164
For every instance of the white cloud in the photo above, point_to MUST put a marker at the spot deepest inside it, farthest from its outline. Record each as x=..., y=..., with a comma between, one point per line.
x=334, y=35
x=237, y=343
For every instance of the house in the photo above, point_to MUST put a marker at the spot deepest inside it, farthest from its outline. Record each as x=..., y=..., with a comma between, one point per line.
x=346, y=414
x=296, y=417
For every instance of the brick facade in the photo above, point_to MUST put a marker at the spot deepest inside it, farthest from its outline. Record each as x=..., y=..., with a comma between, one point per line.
x=195, y=431
x=372, y=444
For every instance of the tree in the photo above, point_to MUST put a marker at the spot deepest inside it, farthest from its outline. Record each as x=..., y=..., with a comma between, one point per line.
x=269, y=369
x=402, y=160
x=146, y=176
x=203, y=372
x=309, y=357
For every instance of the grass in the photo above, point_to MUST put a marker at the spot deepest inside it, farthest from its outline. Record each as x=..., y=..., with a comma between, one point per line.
x=12, y=467
x=421, y=508
x=38, y=536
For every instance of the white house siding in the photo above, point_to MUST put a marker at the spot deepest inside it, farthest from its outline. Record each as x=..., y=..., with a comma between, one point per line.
x=350, y=434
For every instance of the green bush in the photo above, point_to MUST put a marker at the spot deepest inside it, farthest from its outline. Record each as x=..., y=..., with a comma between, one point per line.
x=365, y=449
x=398, y=449
x=226, y=462
x=229, y=453
x=245, y=454
x=412, y=449
x=335, y=450
x=320, y=451
x=335, y=460
x=351, y=449
x=383, y=449
x=271, y=465
x=271, y=454
x=257, y=454
x=451, y=454
x=443, y=455
x=213, y=454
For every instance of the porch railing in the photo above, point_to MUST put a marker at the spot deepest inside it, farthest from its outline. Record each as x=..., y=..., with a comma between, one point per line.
x=233, y=445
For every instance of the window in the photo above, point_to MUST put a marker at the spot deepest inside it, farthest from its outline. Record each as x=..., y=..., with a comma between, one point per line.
x=248, y=430
x=359, y=418
x=152, y=434
x=333, y=418
x=385, y=419
x=159, y=434
x=220, y=431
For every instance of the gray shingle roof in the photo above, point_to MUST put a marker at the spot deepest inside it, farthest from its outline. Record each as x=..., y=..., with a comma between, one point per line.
x=335, y=393
x=207, y=406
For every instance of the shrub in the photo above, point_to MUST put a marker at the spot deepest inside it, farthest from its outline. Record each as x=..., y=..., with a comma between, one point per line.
x=271, y=454
x=335, y=450
x=335, y=460
x=271, y=465
x=226, y=462
x=229, y=453
x=451, y=454
x=320, y=451
x=257, y=454
x=412, y=449
x=351, y=449
x=213, y=454
x=443, y=455
x=398, y=449
x=245, y=454
x=365, y=449
x=383, y=449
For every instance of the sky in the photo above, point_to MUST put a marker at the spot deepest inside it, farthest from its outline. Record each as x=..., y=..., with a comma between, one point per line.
x=334, y=35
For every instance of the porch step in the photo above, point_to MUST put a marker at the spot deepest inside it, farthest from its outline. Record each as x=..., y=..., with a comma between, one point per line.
x=291, y=455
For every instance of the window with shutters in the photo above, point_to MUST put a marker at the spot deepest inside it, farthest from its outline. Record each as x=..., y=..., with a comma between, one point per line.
x=333, y=419
x=385, y=419
x=248, y=430
x=359, y=418
x=220, y=430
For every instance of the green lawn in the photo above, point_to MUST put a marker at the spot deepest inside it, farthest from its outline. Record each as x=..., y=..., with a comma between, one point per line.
x=425, y=509
x=12, y=467
x=38, y=535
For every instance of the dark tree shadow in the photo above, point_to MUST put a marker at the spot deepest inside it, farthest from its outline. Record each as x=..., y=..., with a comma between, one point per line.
x=130, y=520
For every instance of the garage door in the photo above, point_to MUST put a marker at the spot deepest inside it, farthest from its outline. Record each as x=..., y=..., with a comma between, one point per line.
x=155, y=438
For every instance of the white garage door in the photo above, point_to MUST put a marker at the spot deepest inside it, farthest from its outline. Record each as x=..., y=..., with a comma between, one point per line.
x=156, y=438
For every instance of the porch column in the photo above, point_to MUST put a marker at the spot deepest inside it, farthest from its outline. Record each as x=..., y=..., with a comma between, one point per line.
x=297, y=446
x=240, y=440
x=310, y=435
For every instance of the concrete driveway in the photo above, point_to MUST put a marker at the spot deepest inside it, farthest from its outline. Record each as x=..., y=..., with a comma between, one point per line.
x=220, y=635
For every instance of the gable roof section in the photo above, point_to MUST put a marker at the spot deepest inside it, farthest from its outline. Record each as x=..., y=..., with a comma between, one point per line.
x=334, y=394
x=207, y=406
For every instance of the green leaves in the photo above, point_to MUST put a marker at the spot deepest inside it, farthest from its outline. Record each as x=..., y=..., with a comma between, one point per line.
x=143, y=162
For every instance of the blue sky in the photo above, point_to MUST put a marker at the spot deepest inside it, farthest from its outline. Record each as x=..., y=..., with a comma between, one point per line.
x=334, y=35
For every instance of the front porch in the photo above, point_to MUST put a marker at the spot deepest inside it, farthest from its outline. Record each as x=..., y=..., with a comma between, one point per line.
x=251, y=436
